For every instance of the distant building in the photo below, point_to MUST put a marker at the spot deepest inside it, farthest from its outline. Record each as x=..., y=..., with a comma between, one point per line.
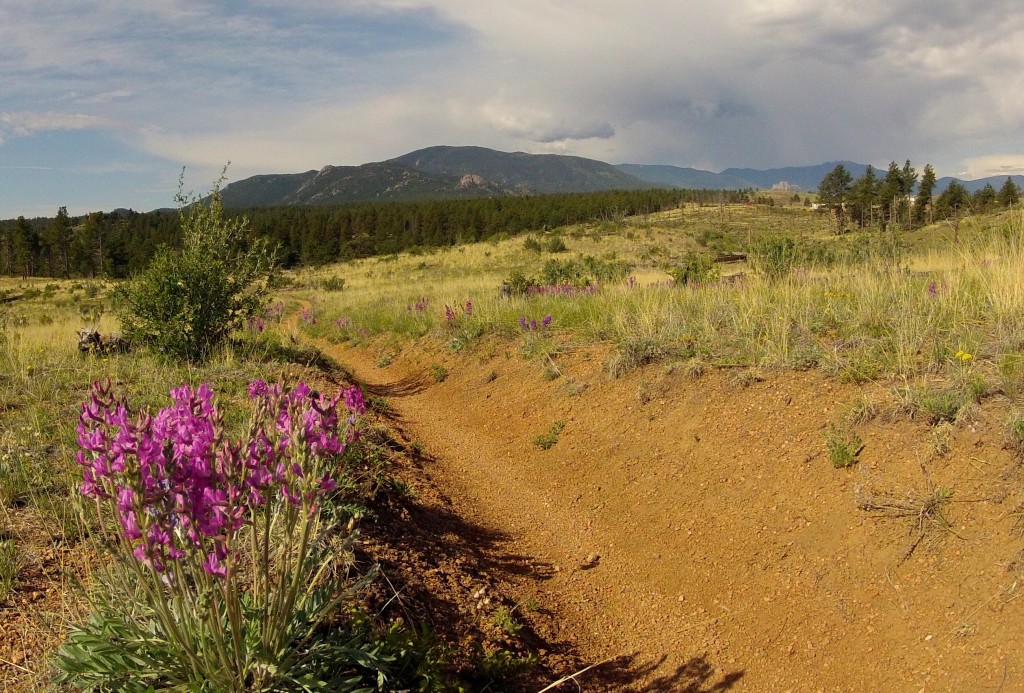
x=785, y=185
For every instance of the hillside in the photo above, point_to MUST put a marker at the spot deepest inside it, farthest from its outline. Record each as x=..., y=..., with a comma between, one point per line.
x=805, y=177
x=446, y=172
x=340, y=184
x=521, y=172
x=691, y=178
x=975, y=185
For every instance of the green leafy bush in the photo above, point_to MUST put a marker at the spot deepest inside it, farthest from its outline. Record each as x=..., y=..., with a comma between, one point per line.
x=187, y=302
x=532, y=244
x=519, y=283
x=774, y=256
x=695, y=269
x=583, y=272
x=556, y=245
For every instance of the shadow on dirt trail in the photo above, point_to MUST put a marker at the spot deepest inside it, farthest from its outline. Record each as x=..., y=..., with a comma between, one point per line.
x=697, y=675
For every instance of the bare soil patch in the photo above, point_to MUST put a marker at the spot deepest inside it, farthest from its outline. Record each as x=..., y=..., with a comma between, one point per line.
x=694, y=532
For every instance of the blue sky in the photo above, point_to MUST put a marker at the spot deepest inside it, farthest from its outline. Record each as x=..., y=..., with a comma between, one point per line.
x=102, y=102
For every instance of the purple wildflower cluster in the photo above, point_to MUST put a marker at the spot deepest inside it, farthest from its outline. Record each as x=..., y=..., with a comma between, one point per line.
x=532, y=324
x=308, y=315
x=420, y=306
x=450, y=315
x=181, y=491
x=342, y=323
x=631, y=282
x=561, y=290
x=936, y=288
x=255, y=324
x=275, y=311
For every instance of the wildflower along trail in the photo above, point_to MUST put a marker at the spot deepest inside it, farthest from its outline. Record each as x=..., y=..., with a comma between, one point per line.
x=695, y=529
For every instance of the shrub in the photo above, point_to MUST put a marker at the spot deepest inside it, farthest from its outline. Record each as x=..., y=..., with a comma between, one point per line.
x=333, y=283
x=519, y=283
x=223, y=574
x=774, y=256
x=556, y=245
x=695, y=269
x=187, y=302
x=532, y=245
x=584, y=272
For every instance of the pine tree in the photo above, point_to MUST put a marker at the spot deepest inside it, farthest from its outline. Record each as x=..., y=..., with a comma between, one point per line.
x=1009, y=194
x=58, y=240
x=24, y=247
x=984, y=199
x=834, y=190
x=864, y=197
x=924, y=194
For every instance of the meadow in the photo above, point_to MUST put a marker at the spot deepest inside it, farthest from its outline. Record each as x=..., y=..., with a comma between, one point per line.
x=939, y=323
x=863, y=306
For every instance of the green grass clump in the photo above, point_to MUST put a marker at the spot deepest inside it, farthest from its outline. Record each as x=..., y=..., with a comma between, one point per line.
x=844, y=447
x=943, y=405
x=1015, y=425
x=9, y=567
x=546, y=441
x=438, y=372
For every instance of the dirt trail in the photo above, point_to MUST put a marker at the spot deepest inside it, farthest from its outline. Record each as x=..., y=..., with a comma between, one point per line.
x=698, y=525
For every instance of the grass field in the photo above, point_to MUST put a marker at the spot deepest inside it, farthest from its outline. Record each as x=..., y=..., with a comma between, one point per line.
x=941, y=322
x=862, y=306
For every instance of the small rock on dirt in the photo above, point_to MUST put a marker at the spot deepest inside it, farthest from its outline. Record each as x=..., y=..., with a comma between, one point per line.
x=590, y=561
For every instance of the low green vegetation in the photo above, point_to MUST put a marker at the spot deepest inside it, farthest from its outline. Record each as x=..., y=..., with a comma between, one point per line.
x=848, y=305
x=9, y=567
x=844, y=446
x=547, y=440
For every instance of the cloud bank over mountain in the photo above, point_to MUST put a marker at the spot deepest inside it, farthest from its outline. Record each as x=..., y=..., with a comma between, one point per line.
x=140, y=90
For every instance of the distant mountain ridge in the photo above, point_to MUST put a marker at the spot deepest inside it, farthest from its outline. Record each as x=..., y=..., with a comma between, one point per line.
x=979, y=183
x=447, y=172
x=521, y=172
x=678, y=177
x=384, y=180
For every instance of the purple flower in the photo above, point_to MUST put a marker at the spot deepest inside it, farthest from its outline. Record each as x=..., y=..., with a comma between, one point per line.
x=449, y=314
x=179, y=486
x=469, y=307
x=132, y=531
x=546, y=321
x=354, y=400
x=214, y=567
x=522, y=323
x=257, y=388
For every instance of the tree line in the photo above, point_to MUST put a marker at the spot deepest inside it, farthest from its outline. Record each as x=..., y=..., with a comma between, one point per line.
x=900, y=199
x=122, y=243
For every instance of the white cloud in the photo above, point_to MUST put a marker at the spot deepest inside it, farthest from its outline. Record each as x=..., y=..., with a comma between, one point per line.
x=1006, y=164
x=102, y=97
x=276, y=85
x=23, y=123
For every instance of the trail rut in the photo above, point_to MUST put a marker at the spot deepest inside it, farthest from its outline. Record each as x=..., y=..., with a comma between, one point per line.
x=697, y=526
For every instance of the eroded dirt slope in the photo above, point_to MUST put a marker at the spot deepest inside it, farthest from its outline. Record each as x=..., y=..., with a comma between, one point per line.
x=697, y=524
